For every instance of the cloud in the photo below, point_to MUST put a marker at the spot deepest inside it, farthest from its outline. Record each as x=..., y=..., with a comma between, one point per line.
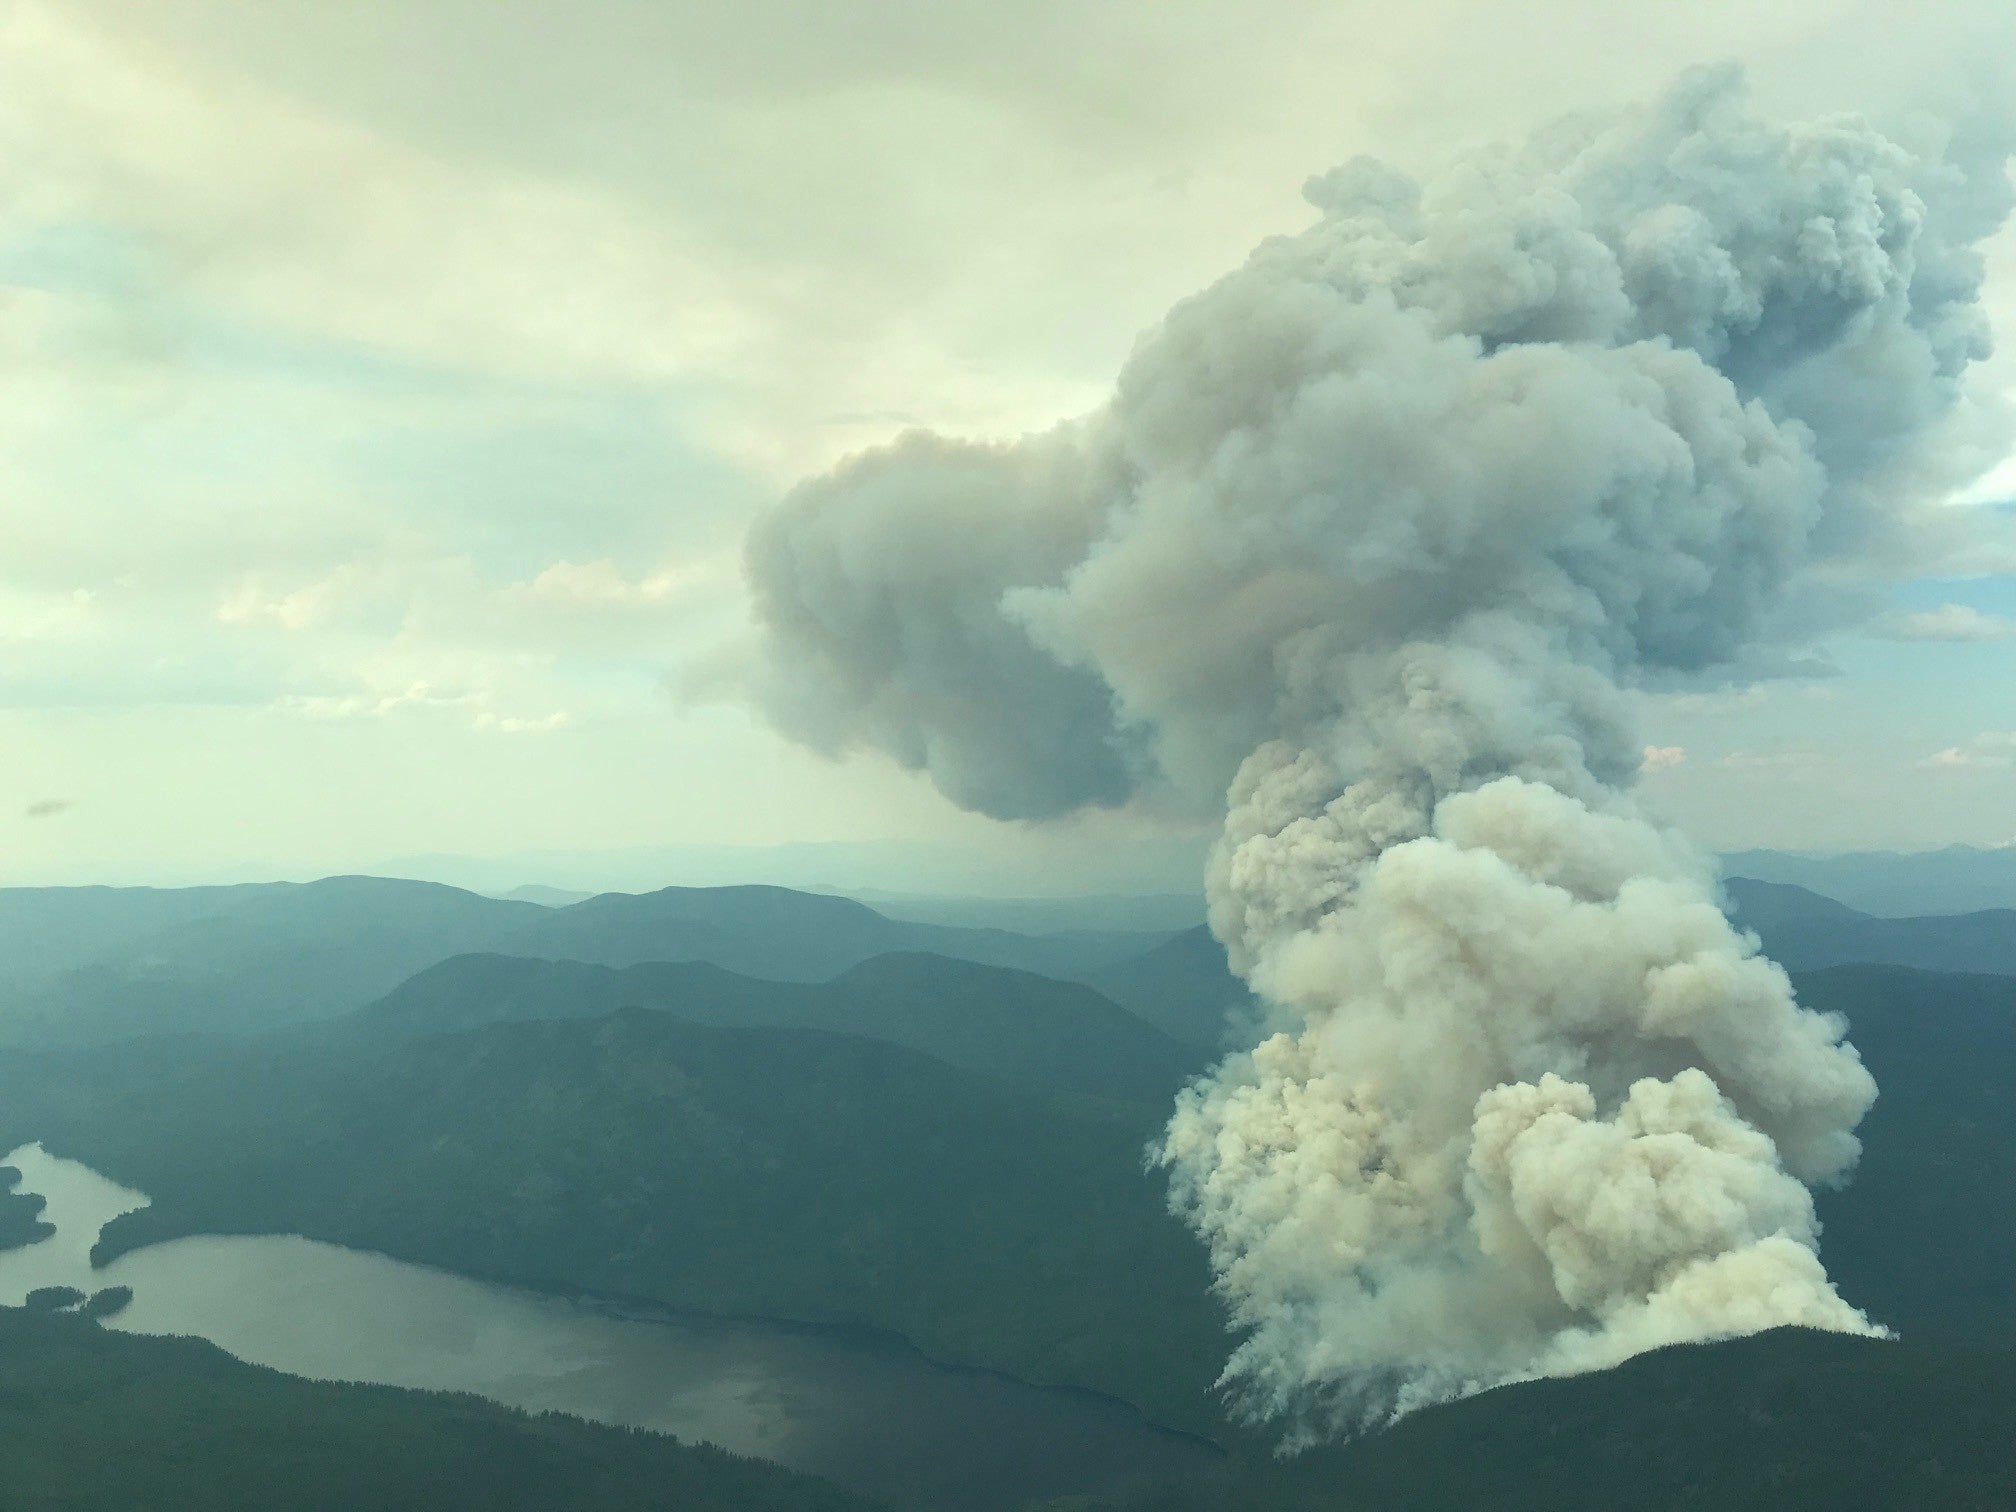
x=1995, y=749
x=48, y=808
x=474, y=707
x=1662, y=758
x=1950, y=622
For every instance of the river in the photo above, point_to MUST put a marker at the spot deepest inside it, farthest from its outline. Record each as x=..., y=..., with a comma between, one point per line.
x=865, y=1411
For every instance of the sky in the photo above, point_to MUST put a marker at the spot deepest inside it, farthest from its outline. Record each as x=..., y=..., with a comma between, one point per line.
x=385, y=391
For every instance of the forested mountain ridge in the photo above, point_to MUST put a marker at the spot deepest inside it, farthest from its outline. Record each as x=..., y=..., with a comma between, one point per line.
x=1804, y=930
x=1014, y=1025
x=95, y=965
x=1787, y=1421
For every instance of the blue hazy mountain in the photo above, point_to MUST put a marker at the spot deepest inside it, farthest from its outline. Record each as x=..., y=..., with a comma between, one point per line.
x=90, y=965
x=1003, y=1023
x=1181, y=985
x=1955, y=879
x=1803, y=930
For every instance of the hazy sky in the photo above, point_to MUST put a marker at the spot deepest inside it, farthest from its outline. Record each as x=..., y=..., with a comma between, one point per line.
x=385, y=388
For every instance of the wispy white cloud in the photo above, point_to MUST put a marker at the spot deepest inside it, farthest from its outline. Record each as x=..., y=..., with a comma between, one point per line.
x=472, y=706
x=1990, y=748
x=1950, y=622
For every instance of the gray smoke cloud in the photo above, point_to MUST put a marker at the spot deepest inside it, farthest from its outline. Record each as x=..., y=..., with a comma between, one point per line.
x=1371, y=537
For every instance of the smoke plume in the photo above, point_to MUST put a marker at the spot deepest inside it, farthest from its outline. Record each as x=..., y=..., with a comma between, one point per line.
x=1372, y=536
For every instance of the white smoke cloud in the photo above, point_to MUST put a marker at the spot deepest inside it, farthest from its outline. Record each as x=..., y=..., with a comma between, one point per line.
x=1372, y=536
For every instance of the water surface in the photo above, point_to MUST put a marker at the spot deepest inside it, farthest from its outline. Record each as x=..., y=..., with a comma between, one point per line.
x=868, y=1412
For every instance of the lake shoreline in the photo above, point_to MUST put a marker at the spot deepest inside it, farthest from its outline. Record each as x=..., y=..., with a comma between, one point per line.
x=949, y=1419
x=655, y=1310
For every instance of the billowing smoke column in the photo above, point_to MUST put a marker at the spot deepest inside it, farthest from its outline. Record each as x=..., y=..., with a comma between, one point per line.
x=1373, y=532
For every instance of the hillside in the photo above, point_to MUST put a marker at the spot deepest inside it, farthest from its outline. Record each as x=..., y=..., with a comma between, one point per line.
x=1181, y=985
x=94, y=965
x=93, y=1421
x=1803, y=930
x=1923, y=1234
x=1013, y=1025
x=776, y=1172
x=1788, y=1421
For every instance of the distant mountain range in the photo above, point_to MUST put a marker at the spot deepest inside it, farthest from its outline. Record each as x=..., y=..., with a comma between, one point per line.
x=92, y=965
x=1146, y=913
x=1899, y=884
x=1802, y=930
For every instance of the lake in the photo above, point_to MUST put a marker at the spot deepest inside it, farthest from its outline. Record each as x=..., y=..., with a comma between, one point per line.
x=868, y=1412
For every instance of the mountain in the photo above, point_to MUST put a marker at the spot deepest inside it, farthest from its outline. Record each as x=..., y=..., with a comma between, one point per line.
x=797, y=1173
x=785, y=935
x=1117, y=913
x=777, y=1172
x=94, y=1421
x=1788, y=1421
x=548, y=897
x=1894, y=884
x=1014, y=1025
x=1801, y=930
x=1181, y=985
x=1922, y=1235
x=91, y=965
x=126, y=961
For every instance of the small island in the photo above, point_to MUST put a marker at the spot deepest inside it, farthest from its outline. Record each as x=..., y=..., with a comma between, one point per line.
x=53, y=1299
x=108, y=1303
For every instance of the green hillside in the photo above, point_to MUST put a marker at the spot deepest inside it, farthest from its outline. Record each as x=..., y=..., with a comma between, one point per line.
x=92, y=1421
x=1789, y=1421
x=1181, y=985
x=1014, y=1025
x=1924, y=1234
x=1803, y=930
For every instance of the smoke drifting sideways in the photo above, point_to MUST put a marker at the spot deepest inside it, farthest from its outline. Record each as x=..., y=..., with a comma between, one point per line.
x=1372, y=536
